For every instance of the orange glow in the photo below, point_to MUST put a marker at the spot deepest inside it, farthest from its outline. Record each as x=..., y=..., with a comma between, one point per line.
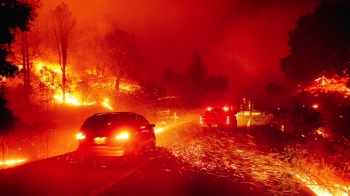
x=106, y=104
x=13, y=162
x=335, y=190
x=80, y=136
x=315, y=106
x=100, y=140
x=46, y=73
x=158, y=130
x=122, y=135
x=209, y=108
x=335, y=85
x=226, y=108
x=71, y=99
x=323, y=80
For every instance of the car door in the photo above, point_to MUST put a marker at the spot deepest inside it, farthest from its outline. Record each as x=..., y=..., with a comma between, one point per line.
x=146, y=131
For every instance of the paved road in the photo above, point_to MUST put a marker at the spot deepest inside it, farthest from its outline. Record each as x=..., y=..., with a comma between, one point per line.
x=187, y=162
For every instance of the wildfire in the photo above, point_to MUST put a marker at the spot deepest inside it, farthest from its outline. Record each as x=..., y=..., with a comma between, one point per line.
x=335, y=190
x=335, y=85
x=106, y=104
x=48, y=76
x=223, y=157
x=12, y=162
x=71, y=99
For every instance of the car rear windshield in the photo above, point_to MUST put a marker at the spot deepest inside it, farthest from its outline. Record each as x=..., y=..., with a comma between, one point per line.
x=216, y=111
x=105, y=122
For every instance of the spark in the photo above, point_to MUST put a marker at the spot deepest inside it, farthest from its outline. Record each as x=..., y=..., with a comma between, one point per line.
x=223, y=158
x=334, y=85
x=106, y=104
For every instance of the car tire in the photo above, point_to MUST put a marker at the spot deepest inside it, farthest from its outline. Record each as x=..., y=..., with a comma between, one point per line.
x=135, y=154
x=154, y=144
x=234, y=127
x=152, y=147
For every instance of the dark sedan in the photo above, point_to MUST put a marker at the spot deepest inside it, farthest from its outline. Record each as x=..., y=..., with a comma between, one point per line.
x=116, y=134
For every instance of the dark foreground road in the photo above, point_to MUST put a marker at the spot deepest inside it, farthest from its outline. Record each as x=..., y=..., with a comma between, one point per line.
x=187, y=162
x=162, y=174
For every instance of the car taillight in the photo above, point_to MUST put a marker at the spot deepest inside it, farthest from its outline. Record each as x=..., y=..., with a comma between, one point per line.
x=209, y=109
x=80, y=136
x=225, y=108
x=122, y=136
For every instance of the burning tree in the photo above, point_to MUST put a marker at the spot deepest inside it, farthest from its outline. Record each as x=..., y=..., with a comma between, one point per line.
x=60, y=29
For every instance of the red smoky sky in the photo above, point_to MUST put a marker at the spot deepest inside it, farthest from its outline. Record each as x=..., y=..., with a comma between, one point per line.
x=241, y=39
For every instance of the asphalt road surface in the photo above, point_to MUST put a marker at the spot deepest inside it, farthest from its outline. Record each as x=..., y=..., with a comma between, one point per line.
x=186, y=162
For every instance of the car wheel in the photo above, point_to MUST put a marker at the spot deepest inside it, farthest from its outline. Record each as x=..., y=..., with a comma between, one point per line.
x=134, y=154
x=234, y=127
x=154, y=145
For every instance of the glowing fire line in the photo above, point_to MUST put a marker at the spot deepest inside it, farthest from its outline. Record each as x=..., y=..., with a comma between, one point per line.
x=335, y=85
x=12, y=162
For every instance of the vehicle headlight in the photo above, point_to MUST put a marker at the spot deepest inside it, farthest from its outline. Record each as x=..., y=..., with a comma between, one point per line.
x=80, y=136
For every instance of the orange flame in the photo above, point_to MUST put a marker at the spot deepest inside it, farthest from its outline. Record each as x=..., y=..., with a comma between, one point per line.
x=12, y=162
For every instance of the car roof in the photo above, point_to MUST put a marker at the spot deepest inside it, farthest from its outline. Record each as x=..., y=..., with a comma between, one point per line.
x=114, y=113
x=105, y=120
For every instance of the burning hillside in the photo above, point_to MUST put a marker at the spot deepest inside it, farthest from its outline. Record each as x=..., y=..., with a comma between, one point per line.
x=334, y=85
x=86, y=88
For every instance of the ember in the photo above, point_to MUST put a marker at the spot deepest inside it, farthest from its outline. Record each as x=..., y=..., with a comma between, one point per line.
x=335, y=85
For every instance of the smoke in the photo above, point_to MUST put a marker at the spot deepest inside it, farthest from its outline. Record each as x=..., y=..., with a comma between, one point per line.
x=242, y=39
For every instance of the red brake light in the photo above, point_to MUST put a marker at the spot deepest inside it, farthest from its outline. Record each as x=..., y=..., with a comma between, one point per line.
x=209, y=109
x=122, y=136
x=225, y=108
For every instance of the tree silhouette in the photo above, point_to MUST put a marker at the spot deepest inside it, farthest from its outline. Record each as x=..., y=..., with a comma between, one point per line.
x=119, y=51
x=7, y=118
x=274, y=92
x=15, y=16
x=320, y=44
x=197, y=70
x=216, y=85
x=305, y=120
x=60, y=28
x=168, y=77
